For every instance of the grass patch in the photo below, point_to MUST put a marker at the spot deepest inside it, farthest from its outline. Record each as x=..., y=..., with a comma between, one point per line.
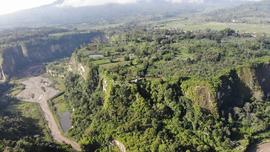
x=60, y=104
x=58, y=83
x=58, y=107
x=101, y=62
x=242, y=27
x=31, y=110
x=16, y=89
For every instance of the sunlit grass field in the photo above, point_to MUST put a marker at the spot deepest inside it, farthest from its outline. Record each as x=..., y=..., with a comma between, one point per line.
x=195, y=25
x=33, y=111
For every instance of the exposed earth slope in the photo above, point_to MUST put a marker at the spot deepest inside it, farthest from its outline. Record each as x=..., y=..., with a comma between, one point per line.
x=17, y=54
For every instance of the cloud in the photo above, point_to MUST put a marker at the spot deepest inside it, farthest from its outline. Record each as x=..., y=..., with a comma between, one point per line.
x=201, y=1
x=185, y=1
x=9, y=6
x=78, y=3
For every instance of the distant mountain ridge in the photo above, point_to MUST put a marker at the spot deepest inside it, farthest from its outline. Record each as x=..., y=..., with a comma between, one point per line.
x=52, y=14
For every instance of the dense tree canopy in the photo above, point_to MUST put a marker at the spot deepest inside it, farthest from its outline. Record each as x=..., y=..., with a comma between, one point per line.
x=133, y=92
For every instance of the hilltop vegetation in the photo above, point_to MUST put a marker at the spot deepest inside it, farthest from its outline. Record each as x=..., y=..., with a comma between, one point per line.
x=170, y=84
x=161, y=53
x=171, y=90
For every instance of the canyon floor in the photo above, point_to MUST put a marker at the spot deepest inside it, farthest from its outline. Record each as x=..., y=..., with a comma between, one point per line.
x=38, y=89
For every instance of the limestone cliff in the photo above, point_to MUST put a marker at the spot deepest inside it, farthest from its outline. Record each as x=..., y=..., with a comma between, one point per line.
x=40, y=50
x=78, y=67
x=223, y=91
x=231, y=88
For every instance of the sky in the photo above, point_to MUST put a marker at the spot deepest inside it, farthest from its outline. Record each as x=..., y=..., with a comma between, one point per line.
x=10, y=6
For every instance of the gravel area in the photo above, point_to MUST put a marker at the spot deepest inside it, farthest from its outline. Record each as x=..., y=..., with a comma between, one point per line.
x=38, y=89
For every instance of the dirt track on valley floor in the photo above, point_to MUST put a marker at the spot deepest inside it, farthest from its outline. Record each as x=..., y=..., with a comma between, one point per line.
x=120, y=145
x=38, y=90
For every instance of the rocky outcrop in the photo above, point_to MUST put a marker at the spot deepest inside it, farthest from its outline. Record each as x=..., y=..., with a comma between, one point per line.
x=201, y=92
x=231, y=88
x=78, y=67
x=262, y=74
x=40, y=50
x=2, y=75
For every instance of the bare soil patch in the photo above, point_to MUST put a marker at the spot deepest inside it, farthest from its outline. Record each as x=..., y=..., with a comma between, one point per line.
x=38, y=89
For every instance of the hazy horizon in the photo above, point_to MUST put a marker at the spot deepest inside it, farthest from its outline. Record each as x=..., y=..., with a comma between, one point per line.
x=8, y=7
x=135, y=75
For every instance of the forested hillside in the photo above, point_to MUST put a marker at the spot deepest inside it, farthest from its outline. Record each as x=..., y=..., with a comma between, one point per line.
x=171, y=90
x=152, y=75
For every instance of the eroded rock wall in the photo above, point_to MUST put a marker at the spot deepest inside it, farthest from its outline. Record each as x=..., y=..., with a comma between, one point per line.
x=232, y=88
x=15, y=58
x=262, y=74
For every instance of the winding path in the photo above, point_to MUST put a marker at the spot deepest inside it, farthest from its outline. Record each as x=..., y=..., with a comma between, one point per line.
x=38, y=90
x=120, y=145
x=265, y=147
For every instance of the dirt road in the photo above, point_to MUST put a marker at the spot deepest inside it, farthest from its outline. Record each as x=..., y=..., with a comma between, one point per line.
x=120, y=145
x=260, y=148
x=37, y=89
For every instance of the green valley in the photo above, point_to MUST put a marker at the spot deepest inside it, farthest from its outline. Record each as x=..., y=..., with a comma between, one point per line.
x=136, y=76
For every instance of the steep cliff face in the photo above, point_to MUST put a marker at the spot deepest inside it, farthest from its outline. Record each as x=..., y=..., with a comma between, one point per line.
x=78, y=67
x=220, y=93
x=232, y=88
x=37, y=51
x=262, y=73
x=201, y=93
x=13, y=60
x=2, y=75
x=232, y=91
x=248, y=76
x=245, y=83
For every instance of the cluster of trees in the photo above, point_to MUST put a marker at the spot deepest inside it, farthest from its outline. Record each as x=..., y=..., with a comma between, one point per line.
x=161, y=53
x=32, y=144
x=84, y=98
x=142, y=104
x=13, y=36
x=154, y=115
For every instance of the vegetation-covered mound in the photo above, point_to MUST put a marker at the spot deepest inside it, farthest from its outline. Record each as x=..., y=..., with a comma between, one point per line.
x=171, y=91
